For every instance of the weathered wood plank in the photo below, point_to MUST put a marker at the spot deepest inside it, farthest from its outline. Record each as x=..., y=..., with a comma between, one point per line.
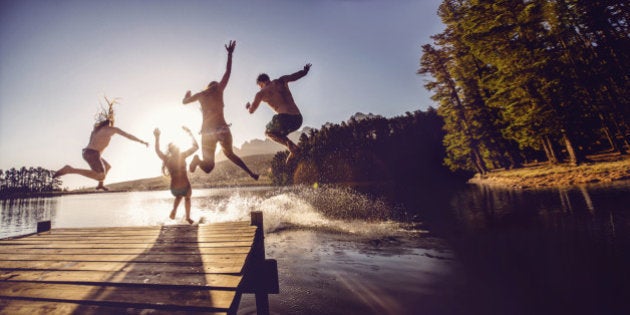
x=229, y=268
x=147, y=297
x=10, y=250
x=131, y=240
x=127, y=245
x=31, y=307
x=208, y=259
x=200, y=280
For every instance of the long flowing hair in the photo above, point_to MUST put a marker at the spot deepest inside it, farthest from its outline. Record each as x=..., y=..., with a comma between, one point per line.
x=105, y=116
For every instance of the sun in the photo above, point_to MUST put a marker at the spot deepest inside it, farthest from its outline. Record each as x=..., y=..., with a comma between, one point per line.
x=170, y=119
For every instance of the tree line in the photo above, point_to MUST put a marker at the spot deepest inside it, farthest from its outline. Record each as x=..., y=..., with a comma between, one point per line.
x=405, y=149
x=519, y=81
x=28, y=180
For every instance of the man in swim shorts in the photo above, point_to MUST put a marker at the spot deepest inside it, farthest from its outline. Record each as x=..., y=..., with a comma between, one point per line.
x=214, y=128
x=288, y=118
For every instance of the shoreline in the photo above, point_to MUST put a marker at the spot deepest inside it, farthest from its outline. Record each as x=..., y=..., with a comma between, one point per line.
x=599, y=169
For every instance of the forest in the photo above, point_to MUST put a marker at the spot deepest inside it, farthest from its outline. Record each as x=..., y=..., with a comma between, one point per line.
x=522, y=81
x=406, y=149
x=27, y=180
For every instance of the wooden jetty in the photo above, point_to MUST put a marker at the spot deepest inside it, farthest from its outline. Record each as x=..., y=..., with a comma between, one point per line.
x=137, y=270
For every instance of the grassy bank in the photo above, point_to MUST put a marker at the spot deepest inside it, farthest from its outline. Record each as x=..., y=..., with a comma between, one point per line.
x=601, y=168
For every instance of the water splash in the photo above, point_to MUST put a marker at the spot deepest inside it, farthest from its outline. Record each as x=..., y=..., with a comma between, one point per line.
x=332, y=209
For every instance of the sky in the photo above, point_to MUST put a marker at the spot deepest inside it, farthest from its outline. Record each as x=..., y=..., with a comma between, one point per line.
x=58, y=59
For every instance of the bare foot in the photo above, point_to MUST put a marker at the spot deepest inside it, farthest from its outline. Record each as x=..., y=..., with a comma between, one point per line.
x=100, y=186
x=172, y=216
x=62, y=171
x=190, y=221
x=193, y=164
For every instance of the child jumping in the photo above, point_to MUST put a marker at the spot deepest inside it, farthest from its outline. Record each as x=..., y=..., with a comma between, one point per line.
x=175, y=162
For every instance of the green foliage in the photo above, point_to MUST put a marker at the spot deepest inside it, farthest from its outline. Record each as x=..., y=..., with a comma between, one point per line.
x=515, y=78
x=406, y=149
x=31, y=180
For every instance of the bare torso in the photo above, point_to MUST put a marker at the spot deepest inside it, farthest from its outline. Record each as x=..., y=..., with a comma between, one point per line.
x=211, y=101
x=177, y=169
x=99, y=139
x=278, y=96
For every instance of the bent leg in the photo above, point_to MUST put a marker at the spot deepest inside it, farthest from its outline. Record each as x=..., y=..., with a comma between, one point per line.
x=208, y=147
x=83, y=172
x=226, y=146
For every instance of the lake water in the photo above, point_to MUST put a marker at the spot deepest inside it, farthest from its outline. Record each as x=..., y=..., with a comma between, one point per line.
x=402, y=250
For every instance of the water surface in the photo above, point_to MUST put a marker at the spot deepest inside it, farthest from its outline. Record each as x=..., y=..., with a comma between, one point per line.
x=402, y=250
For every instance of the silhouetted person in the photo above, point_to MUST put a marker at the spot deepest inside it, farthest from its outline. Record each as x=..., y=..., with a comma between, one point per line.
x=288, y=118
x=175, y=162
x=99, y=140
x=214, y=128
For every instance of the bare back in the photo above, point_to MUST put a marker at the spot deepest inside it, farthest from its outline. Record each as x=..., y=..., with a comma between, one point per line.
x=212, y=105
x=279, y=97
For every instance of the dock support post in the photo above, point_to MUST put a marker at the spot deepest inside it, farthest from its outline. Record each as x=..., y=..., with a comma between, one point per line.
x=262, y=298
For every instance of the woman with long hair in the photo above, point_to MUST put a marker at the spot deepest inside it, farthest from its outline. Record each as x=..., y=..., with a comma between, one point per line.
x=99, y=140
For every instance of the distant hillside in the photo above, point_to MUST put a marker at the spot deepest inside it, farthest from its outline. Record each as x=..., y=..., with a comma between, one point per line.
x=225, y=173
x=257, y=146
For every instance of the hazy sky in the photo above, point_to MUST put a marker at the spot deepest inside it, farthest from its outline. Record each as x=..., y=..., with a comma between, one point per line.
x=58, y=59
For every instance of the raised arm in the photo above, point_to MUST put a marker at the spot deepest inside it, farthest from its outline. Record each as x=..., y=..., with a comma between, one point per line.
x=228, y=68
x=194, y=147
x=129, y=136
x=297, y=75
x=254, y=105
x=159, y=153
x=188, y=98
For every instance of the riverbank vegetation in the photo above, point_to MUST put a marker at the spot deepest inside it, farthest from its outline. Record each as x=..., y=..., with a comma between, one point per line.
x=520, y=82
x=367, y=148
x=604, y=168
x=28, y=181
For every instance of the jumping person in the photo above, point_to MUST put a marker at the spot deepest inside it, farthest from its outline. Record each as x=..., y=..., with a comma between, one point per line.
x=214, y=128
x=99, y=140
x=175, y=162
x=288, y=118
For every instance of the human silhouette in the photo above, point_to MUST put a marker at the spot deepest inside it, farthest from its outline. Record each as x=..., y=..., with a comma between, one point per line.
x=288, y=118
x=214, y=128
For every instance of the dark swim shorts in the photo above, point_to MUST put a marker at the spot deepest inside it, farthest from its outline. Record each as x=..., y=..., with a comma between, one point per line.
x=93, y=158
x=284, y=124
x=180, y=191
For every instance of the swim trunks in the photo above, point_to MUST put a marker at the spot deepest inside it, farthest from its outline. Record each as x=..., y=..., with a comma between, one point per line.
x=180, y=191
x=284, y=124
x=93, y=158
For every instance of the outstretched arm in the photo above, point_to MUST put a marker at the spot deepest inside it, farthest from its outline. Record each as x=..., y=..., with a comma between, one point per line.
x=194, y=147
x=254, y=105
x=159, y=153
x=228, y=68
x=130, y=136
x=297, y=75
x=190, y=98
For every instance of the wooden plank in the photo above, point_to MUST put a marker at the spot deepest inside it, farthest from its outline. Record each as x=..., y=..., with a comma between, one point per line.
x=147, y=297
x=128, y=240
x=31, y=307
x=128, y=245
x=229, y=268
x=200, y=280
x=10, y=250
x=209, y=259
x=149, y=232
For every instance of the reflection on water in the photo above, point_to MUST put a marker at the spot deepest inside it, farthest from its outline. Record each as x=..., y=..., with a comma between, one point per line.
x=20, y=216
x=556, y=251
